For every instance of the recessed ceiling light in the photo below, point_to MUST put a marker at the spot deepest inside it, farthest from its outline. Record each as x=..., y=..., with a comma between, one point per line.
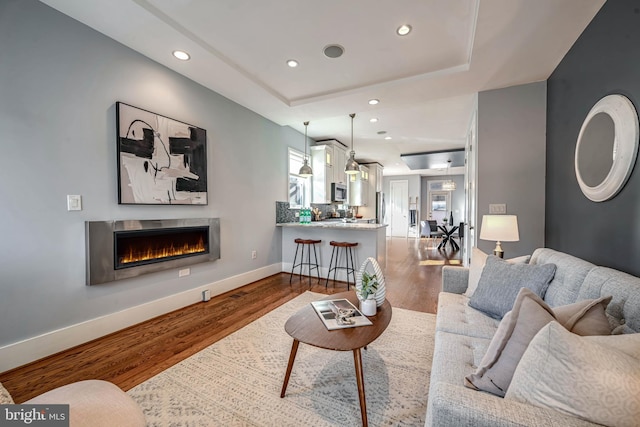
x=387, y=137
x=373, y=120
x=403, y=30
x=292, y=63
x=333, y=51
x=374, y=101
x=181, y=55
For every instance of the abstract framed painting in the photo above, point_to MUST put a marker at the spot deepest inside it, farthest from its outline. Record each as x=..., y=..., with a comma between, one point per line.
x=161, y=161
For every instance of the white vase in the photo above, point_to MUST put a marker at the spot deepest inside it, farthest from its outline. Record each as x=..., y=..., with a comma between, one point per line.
x=381, y=292
x=368, y=306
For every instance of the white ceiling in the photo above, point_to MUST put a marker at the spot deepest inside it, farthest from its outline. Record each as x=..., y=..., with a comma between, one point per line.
x=426, y=82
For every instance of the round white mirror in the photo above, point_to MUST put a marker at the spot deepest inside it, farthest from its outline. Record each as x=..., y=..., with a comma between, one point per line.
x=607, y=147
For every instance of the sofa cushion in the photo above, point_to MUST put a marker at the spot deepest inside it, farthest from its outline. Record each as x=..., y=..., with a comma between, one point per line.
x=570, y=275
x=455, y=316
x=95, y=403
x=624, y=309
x=478, y=260
x=501, y=281
x=5, y=397
x=581, y=377
x=518, y=328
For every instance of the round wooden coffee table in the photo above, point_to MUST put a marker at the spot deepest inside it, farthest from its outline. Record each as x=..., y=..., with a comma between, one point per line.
x=305, y=326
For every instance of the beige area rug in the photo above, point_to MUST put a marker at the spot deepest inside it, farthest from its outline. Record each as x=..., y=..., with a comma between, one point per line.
x=237, y=381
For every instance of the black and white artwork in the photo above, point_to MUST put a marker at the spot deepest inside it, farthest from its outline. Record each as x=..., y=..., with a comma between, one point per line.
x=161, y=161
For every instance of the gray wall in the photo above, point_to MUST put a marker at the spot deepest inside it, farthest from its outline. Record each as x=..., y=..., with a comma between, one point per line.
x=604, y=60
x=511, y=161
x=59, y=81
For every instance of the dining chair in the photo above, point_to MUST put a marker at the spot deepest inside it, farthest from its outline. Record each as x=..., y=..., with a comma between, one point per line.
x=434, y=232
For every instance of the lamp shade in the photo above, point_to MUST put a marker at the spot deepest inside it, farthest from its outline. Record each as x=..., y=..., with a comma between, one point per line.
x=500, y=228
x=305, y=170
x=352, y=167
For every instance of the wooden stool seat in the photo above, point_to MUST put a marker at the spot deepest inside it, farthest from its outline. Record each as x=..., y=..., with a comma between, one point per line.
x=343, y=244
x=348, y=256
x=308, y=243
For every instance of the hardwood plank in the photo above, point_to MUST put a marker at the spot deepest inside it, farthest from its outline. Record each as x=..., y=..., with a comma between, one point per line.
x=135, y=354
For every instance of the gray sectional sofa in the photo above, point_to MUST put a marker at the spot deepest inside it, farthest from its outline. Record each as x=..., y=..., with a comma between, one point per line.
x=463, y=335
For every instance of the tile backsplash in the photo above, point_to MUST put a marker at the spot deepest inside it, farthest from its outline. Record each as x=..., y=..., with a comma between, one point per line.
x=286, y=214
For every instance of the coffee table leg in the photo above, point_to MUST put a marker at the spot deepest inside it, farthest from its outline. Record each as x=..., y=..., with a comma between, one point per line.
x=292, y=358
x=357, y=359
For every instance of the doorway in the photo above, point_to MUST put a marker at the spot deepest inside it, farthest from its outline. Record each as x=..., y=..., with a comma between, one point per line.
x=439, y=205
x=470, y=190
x=399, y=208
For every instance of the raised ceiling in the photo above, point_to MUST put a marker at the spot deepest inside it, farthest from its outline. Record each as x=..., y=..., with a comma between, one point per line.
x=426, y=81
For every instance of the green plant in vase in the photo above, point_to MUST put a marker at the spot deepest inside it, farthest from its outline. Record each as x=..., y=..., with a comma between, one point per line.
x=369, y=286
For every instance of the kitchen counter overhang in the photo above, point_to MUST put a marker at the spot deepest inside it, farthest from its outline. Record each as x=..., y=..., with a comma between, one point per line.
x=334, y=224
x=371, y=239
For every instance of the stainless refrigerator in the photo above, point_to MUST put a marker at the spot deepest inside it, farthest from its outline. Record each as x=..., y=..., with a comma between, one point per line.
x=380, y=208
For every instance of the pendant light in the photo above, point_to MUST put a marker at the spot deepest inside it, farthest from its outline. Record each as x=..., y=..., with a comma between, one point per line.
x=352, y=167
x=305, y=170
x=449, y=184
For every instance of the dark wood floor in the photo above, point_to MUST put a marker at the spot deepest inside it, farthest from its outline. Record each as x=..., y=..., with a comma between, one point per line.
x=135, y=354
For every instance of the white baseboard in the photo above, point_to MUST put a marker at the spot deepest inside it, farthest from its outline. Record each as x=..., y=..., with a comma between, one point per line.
x=32, y=349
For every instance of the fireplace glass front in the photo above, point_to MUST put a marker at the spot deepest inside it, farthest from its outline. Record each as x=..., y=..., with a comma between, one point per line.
x=141, y=247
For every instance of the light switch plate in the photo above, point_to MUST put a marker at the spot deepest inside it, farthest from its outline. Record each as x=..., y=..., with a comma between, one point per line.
x=497, y=209
x=74, y=202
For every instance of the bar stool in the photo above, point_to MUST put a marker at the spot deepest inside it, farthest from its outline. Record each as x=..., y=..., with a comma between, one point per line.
x=308, y=243
x=348, y=255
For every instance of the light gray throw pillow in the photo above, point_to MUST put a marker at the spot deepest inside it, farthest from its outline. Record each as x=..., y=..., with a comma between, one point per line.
x=593, y=378
x=509, y=343
x=518, y=327
x=501, y=281
x=478, y=260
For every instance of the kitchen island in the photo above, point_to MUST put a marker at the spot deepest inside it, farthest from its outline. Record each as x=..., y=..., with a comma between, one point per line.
x=371, y=239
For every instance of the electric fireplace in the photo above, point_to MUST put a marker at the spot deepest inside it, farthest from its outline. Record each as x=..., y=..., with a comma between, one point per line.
x=122, y=249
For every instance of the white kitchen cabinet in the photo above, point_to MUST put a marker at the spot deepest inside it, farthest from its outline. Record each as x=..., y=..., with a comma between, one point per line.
x=327, y=161
x=359, y=187
x=339, y=161
x=375, y=173
x=321, y=163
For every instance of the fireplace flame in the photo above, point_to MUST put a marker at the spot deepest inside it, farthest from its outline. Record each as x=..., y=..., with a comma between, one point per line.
x=162, y=252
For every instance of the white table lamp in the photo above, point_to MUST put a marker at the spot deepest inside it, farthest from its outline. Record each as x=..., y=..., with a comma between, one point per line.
x=499, y=228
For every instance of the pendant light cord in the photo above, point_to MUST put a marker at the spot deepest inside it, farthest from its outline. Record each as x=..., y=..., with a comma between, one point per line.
x=305, y=139
x=352, y=115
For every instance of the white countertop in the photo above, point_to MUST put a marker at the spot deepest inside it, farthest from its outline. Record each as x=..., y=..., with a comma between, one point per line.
x=334, y=224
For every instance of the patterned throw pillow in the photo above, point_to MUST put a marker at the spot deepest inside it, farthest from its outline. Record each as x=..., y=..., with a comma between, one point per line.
x=478, y=260
x=501, y=281
x=5, y=397
x=593, y=378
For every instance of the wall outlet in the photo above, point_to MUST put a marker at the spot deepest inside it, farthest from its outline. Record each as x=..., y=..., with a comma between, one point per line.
x=184, y=272
x=206, y=295
x=498, y=209
x=254, y=254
